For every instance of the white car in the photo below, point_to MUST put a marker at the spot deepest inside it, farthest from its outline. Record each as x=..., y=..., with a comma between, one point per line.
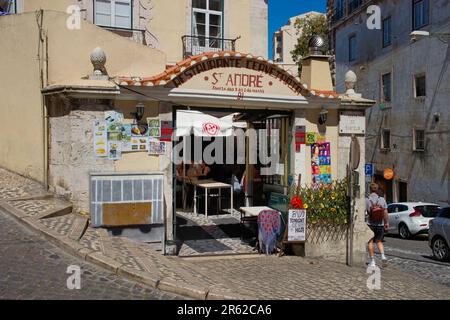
x=411, y=218
x=439, y=235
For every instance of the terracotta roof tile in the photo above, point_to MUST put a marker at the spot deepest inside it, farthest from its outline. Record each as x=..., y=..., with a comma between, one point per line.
x=172, y=72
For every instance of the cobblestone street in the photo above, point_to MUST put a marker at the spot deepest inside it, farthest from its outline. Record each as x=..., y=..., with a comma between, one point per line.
x=32, y=268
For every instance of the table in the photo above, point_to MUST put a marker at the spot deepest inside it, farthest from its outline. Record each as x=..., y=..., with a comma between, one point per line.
x=210, y=185
x=253, y=211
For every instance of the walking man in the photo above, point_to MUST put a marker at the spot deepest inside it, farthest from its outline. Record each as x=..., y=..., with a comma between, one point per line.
x=378, y=221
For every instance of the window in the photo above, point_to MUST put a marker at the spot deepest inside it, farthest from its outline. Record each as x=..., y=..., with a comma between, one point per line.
x=113, y=13
x=420, y=87
x=444, y=213
x=352, y=56
x=387, y=32
x=207, y=18
x=7, y=7
x=421, y=13
x=385, y=139
x=418, y=140
x=386, y=84
x=340, y=9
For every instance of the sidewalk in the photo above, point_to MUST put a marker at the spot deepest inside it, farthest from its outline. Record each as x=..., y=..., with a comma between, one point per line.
x=246, y=277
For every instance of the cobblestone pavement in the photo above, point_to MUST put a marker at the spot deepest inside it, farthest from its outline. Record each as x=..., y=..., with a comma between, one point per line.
x=415, y=256
x=32, y=268
x=213, y=240
x=249, y=277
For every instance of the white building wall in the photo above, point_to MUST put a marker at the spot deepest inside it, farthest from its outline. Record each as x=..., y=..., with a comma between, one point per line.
x=427, y=173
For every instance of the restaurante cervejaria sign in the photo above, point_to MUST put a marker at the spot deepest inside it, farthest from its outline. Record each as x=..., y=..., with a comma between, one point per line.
x=238, y=81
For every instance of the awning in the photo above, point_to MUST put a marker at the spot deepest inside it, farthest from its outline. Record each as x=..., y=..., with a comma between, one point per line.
x=204, y=125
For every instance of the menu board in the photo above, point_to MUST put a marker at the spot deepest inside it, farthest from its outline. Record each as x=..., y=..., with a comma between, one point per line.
x=296, y=226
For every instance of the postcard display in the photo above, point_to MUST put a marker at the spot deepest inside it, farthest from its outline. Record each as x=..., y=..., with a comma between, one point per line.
x=112, y=136
x=320, y=158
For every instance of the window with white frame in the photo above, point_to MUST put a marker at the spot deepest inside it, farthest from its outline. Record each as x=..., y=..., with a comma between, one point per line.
x=113, y=13
x=8, y=6
x=418, y=140
x=207, y=18
x=385, y=139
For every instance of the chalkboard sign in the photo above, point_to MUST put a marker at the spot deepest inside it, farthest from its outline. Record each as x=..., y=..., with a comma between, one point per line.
x=296, y=226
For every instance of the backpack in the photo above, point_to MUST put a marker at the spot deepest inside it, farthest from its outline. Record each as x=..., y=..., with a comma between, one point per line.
x=376, y=213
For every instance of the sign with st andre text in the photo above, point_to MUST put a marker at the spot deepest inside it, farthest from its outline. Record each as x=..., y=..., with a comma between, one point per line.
x=297, y=226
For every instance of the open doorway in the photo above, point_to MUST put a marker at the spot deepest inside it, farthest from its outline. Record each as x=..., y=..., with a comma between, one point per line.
x=209, y=195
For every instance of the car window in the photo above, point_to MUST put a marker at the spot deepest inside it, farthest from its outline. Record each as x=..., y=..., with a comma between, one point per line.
x=430, y=211
x=444, y=213
x=392, y=208
x=402, y=207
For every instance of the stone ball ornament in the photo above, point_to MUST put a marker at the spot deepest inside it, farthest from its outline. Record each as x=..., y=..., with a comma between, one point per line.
x=316, y=45
x=98, y=60
x=350, y=80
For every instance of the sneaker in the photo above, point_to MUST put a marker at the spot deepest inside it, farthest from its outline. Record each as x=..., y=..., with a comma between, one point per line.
x=372, y=264
x=384, y=263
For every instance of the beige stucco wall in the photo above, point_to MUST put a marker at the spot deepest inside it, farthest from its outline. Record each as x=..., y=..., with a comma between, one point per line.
x=21, y=124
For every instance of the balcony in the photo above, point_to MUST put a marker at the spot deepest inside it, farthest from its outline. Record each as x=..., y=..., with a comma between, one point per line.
x=194, y=45
x=345, y=8
x=136, y=35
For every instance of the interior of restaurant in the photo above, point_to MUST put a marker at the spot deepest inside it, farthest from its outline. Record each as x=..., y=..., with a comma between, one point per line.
x=241, y=179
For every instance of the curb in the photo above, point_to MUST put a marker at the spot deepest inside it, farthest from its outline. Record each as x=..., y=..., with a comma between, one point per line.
x=76, y=249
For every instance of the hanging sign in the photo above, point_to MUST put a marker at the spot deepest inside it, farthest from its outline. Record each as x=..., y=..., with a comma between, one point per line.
x=311, y=138
x=388, y=173
x=166, y=131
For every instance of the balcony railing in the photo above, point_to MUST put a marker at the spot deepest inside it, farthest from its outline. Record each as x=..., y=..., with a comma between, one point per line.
x=136, y=35
x=346, y=8
x=194, y=45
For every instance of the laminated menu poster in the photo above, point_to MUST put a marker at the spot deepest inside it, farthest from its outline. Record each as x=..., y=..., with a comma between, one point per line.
x=114, y=150
x=154, y=127
x=156, y=147
x=100, y=139
x=126, y=138
x=321, y=163
x=139, y=144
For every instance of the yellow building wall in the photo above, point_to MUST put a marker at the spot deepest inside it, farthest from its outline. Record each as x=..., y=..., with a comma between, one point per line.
x=21, y=120
x=21, y=126
x=57, y=5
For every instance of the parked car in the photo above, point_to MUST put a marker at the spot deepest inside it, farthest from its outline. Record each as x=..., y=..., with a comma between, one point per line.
x=439, y=234
x=411, y=218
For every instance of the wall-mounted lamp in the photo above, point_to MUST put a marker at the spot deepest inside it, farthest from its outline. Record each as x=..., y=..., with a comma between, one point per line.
x=323, y=115
x=139, y=114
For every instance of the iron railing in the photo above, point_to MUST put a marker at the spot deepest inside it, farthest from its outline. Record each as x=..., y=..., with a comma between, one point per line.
x=345, y=8
x=194, y=45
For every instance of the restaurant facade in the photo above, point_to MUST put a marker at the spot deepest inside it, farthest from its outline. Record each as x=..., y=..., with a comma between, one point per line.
x=112, y=136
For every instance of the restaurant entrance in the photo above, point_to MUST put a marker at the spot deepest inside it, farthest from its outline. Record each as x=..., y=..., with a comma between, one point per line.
x=226, y=159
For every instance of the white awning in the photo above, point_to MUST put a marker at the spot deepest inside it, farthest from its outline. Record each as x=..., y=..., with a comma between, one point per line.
x=204, y=125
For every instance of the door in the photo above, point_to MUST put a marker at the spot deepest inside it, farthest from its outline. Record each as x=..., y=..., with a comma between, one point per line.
x=393, y=217
x=445, y=218
x=402, y=191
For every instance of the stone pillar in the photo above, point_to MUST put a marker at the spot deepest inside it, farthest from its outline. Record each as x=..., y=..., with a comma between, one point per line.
x=166, y=166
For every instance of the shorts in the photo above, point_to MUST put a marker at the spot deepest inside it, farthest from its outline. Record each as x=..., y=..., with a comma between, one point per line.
x=378, y=232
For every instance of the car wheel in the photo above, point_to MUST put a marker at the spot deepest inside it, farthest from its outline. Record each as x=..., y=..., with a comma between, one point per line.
x=440, y=249
x=403, y=231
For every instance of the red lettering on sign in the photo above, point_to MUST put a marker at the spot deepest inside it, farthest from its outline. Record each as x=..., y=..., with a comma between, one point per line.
x=244, y=80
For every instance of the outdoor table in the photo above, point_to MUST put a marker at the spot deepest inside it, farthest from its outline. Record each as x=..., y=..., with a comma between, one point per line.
x=210, y=185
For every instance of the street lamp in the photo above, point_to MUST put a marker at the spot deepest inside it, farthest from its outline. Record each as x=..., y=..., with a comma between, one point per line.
x=419, y=34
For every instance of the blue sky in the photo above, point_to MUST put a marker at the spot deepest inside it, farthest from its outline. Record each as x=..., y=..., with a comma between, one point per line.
x=281, y=10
